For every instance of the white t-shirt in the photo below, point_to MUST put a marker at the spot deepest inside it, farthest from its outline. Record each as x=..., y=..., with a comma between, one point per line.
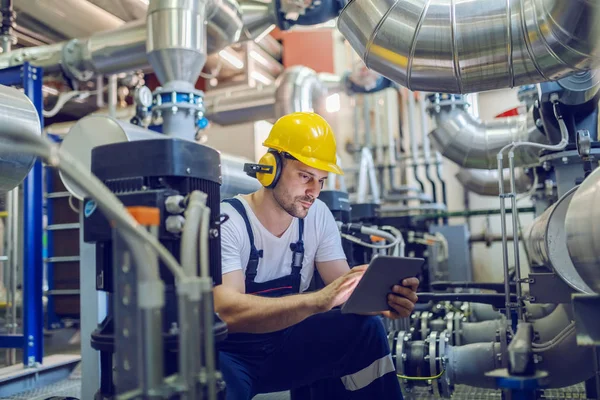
x=322, y=242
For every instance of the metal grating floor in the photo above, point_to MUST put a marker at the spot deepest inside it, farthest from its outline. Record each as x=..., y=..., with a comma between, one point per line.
x=68, y=387
x=72, y=387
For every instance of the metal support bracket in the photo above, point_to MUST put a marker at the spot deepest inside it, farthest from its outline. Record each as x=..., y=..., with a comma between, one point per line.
x=549, y=288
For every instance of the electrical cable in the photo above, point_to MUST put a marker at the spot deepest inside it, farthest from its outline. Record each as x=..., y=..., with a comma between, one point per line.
x=421, y=378
x=369, y=245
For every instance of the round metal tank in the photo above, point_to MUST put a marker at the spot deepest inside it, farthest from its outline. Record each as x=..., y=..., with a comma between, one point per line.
x=583, y=230
x=93, y=131
x=99, y=130
x=546, y=239
x=17, y=115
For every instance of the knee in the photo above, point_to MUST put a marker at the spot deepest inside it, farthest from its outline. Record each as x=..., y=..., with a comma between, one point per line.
x=370, y=326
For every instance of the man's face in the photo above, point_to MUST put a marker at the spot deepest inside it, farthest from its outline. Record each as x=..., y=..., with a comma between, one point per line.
x=298, y=187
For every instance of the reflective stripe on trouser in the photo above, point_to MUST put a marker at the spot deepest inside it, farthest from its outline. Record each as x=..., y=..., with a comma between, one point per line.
x=366, y=376
x=338, y=348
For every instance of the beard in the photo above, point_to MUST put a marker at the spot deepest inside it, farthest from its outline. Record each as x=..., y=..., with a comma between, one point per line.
x=291, y=204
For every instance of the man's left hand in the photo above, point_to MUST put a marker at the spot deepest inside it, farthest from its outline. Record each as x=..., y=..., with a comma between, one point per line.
x=402, y=299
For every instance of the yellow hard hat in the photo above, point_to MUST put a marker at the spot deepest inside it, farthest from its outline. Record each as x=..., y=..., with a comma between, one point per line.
x=308, y=138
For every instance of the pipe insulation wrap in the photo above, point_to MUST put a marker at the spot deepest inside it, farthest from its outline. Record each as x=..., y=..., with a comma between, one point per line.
x=480, y=332
x=582, y=231
x=473, y=46
x=468, y=364
x=123, y=48
x=18, y=115
x=485, y=182
x=473, y=143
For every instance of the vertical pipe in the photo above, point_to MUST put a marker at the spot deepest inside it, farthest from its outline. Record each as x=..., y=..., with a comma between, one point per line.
x=357, y=144
x=391, y=142
x=515, y=223
x=426, y=144
x=414, y=153
x=112, y=95
x=504, y=240
x=367, y=121
x=13, y=242
x=100, y=91
x=379, y=163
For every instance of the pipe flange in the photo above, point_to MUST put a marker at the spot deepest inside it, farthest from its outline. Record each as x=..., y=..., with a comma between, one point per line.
x=433, y=365
x=439, y=101
x=72, y=54
x=444, y=380
x=174, y=101
x=402, y=336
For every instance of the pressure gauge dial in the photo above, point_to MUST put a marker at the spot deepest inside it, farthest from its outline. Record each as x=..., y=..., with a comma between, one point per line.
x=143, y=96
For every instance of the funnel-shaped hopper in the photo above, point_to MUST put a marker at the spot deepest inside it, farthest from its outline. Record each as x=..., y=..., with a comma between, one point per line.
x=176, y=43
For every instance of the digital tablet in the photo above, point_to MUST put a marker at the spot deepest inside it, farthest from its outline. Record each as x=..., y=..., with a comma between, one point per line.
x=370, y=295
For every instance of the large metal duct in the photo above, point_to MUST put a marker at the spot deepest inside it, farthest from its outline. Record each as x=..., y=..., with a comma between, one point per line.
x=485, y=182
x=71, y=18
x=124, y=48
x=546, y=240
x=473, y=143
x=17, y=115
x=298, y=88
x=582, y=233
x=98, y=130
x=473, y=46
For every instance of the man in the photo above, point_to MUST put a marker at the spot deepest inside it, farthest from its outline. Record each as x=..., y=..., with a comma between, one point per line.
x=280, y=339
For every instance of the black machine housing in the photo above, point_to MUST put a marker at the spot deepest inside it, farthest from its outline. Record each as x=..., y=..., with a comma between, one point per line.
x=146, y=173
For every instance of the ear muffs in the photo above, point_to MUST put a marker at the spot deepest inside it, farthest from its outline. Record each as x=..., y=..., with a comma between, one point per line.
x=272, y=159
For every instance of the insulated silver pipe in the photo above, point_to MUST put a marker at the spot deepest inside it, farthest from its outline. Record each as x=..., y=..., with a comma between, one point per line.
x=124, y=48
x=298, y=88
x=474, y=46
x=17, y=115
x=473, y=143
x=547, y=241
x=485, y=182
x=582, y=235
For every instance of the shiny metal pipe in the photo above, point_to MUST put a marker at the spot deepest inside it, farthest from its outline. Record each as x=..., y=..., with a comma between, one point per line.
x=515, y=225
x=473, y=46
x=473, y=143
x=123, y=48
x=176, y=42
x=17, y=115
x=298, y=88
x=241, y=106
x=546, y=241
x=582, y=233
x=485, y=182
x=504, y=235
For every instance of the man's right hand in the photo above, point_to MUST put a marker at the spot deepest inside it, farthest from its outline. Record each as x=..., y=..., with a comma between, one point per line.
x=338, y=291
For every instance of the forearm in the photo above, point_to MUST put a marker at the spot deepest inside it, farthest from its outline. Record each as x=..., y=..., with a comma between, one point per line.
x=255, y=314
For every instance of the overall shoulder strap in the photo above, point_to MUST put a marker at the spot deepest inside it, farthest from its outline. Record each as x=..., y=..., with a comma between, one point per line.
x=255, y=254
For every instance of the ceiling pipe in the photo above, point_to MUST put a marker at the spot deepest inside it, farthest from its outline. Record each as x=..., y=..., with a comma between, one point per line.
x=473, y=143
x=122, y=49
x=474, y=46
